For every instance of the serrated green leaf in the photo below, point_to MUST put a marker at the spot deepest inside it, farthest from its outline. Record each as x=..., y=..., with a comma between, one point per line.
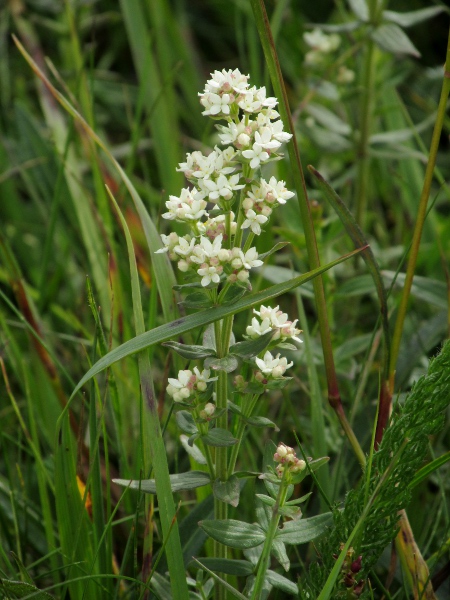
x=235, y=534
x=304, y=530
x=407, y=19
x=185, y=422
x=219, y=438
x=394, y=40
x=191, y=352
x=227, y=363
x=251, y=348
x=240, y=568
x=227, y=491
x=179, y=482
x=179, y=326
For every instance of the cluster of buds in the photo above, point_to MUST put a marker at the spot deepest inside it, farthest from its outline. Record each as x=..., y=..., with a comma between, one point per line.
x=189, y=384
x=260, y=201
x=286, y=458
x=350, y=568
x=207, y=411
x=273, y=319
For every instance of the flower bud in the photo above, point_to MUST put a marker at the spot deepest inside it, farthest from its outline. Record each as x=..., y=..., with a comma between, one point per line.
x=201, y=386
x=266, y=211
x=248, y=203
x=243, y=276
x=243, y=139
x=183, y=265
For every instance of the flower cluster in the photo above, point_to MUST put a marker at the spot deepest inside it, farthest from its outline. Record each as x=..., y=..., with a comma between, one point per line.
x=273, y=319
x=271, y=367
x=286, y=458
x=323, y=45
x=188, y=384
x=252, y=135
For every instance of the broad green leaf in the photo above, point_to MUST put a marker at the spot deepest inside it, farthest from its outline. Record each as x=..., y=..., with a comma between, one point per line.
x=279, y=551
x=240, y=568
x=21, y=590
x=227, y=491
x=218, y=438
x=193, y=450
x=281, y=583
x=175, y=328
x=407, y=19
x=186, y=422
x=394, y=40
x=235, y=534
x=328, y=119
x=191, y=352
x=227, y=363
x=179, y=482
x=197, y=300
x=304, y=530
x=251, y=348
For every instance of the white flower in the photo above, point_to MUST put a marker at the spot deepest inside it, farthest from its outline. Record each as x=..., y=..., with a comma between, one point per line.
x=222, y=187
x=169, y=241
x=182, y=388
x=250, y=259
x=185, y=246
x=322, y=42
x=276, y=191
x=211, y=249
x=217, y=105
x=187, y=207
x=257, y=329
x=277, y=132
x=273, y=367
x=258, y=153
x=253, y=221
x=226, y=80
x=203, y=377
x=209, y=275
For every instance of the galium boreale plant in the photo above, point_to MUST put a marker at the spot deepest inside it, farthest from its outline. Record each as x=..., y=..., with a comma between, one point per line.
x=225, y=208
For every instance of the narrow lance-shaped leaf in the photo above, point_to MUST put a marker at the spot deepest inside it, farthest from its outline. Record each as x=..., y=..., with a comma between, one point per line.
x=179, y=482
x=179, y=326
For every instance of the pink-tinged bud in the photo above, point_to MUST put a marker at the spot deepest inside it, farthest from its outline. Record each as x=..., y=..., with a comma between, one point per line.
x=266, y=211
x=236, y=263
x=260, y=377
x=243, y=276
x=232, y=278
x=356, y=565
x=208, y=411
x=214, y=261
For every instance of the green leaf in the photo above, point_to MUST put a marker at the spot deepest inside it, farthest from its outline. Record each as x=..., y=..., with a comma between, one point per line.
x=227, y=491
x=184, y=286
x=279, y=551
x=179, y=482
x=278, y=384
x=251, y=348
x=22, y=590
x=191, y=352
x=179, y=326
x=219, y=438
x=233, y=591
x=227, y=363
x=394, y=40
x=197, y=300
x=254, y=387
x=424, y=288
x=328, y=119
x=253, y=421
x=281, y=583
x=233, y=294
x=185, y=422
x=192, y=450
x=304, y=530
x=277, y=247
x=407, y=19
x=360, y=9
x=235, y=534
x=239, y=568
x=426, y=471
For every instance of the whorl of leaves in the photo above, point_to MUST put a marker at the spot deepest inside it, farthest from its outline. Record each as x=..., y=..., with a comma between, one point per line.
x=421, y=415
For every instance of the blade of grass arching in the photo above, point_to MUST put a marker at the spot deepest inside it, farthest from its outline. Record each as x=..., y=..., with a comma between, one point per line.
x=153, y=443
x=270, y=53
x=92, y=240
x=176, y=328
x=165, y=277
x=163, y=120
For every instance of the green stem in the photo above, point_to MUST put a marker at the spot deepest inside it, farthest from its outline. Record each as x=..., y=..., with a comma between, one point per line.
x=273, y=65
x=270, y=535
x=362, y=150
x=398, y=330
x=240, y=435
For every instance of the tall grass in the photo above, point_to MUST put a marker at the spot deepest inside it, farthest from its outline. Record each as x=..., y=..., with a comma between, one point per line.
x=99, y=102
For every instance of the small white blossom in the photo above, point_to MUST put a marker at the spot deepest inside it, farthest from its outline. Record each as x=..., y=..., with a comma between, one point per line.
x=169, y=241
x=182, y=388
x=185, y=246
x=209, y=275
x=320, y=41
x=217, y=105
x=250, y=259
x=253, y=221
x=274, y=367
x=256, y=329
x=223, y=187
x=263, y=142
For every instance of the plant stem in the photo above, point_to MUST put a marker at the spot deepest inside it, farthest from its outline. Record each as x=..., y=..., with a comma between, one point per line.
x=421, y=214
x=240, y=435
x=270, y=535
